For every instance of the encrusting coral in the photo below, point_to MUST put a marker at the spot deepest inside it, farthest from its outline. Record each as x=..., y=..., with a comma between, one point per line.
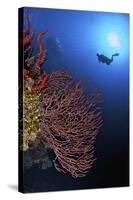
x=30, y=120
x=33, y=83
x=37, y=156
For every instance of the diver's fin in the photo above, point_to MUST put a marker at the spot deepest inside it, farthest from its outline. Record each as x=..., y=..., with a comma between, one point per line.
x=116, y=54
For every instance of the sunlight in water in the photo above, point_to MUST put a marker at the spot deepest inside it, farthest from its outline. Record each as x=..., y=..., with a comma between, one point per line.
x=113, y=39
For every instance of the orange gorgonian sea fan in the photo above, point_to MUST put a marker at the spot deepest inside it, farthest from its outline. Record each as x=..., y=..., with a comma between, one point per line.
x=70, y=121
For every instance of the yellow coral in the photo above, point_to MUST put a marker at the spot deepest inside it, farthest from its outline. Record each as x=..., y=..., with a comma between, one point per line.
x=30, y=120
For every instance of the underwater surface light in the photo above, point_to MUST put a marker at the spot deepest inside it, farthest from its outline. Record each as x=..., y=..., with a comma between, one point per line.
x=113, y=39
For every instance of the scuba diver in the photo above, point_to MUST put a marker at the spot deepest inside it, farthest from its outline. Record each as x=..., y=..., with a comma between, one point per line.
x=105, y=59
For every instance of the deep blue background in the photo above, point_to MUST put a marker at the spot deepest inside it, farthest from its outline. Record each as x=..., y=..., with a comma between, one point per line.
x=72, y=41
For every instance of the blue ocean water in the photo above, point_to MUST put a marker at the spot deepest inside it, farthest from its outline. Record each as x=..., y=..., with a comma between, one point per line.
x=73, y=40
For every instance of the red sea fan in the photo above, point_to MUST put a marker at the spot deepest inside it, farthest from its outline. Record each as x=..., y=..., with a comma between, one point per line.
x=70, y=121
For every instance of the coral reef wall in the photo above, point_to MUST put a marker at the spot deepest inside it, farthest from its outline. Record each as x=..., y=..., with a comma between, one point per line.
x=56, y=113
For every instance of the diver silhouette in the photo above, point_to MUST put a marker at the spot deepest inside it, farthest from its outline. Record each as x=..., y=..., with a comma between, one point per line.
x=105, y=59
